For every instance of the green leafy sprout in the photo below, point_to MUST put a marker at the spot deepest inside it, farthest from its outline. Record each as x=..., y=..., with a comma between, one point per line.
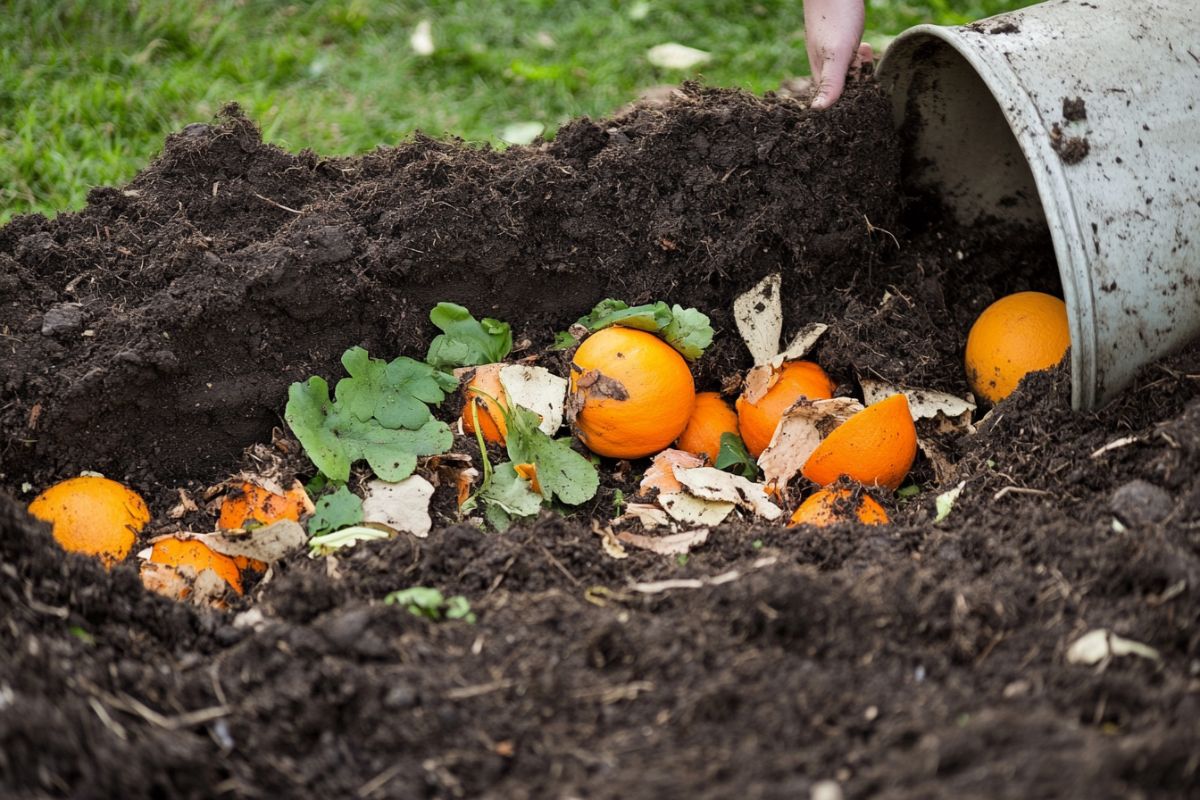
x=685, y=329
x=427, y=602
x=379, y=413
x=734, y=457
x=466, y=341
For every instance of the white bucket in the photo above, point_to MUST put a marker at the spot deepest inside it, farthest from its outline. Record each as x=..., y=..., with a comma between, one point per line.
x=984, y=109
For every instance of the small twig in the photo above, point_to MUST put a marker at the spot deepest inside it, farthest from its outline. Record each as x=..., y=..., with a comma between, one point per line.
x=558, y=564
x=467, y=692
x=379, y=781
x=277, y=205
x=107, y=719
x=1021, y=490
x=872, y=228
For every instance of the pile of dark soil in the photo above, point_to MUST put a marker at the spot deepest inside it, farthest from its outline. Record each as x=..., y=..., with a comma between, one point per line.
x=152, y=337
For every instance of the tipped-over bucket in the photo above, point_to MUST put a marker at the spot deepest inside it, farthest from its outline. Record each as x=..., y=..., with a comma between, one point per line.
x=1084, y=116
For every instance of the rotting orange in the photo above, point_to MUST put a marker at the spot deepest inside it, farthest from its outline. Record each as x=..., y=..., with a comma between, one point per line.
x=711, y=417
x=250, y=503
x=796, y=379
x=199, y=556
x=486, y=394
x=1014, y=336
x=875, y=447
x=93, y=515
x=633, y=393
x=830, y=506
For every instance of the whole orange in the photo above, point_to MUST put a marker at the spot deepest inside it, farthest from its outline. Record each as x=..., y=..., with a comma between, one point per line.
x=757, y=421
x=875, y=447
x=711, y=418
x=1016, y=335
x=635, y=393
x=829, y=506
x=93, y=515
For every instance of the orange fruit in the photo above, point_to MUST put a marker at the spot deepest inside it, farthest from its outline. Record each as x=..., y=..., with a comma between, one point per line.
x=92, y=515
x=875, y=447
x=796, y=379
x=830, y=506
x=1014, y=336
x=197, y=555
x=250, y=503
x=711, y=417
x=634, y=391
x=485, y=384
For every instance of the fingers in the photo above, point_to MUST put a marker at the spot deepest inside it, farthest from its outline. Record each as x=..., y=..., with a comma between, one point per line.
x=830, y=73
x=831, y=78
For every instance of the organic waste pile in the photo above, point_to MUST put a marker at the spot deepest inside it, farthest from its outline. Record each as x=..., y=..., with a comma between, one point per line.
x=449, y=472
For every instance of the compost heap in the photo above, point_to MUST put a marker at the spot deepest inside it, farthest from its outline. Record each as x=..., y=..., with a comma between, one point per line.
x=152, y=337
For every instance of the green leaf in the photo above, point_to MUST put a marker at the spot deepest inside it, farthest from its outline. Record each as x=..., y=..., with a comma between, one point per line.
x=652, y=317
x=561, y=471
x=423, y=601
x=335, y=511
x=466, y=341
x=511, y=493
x=564, y=340
x=459, y=607
x=379, y=413
x=733, y=457
x=689, y=332
x=685, y=329
x=307, y=413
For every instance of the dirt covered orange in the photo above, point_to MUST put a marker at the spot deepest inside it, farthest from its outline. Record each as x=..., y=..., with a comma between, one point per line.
x=93, y=515
x=830, y=506
x=757, y=421
x=633, y=392
x=875, y=447
x=711, y=418
x=1014, y=336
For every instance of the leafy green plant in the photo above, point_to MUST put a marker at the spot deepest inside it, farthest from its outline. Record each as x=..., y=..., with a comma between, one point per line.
x=427, y=602
x=562, y=473
x=734, y=457
x=685, y=329
x=334, y=511
x=379, y=413
x=466, y=341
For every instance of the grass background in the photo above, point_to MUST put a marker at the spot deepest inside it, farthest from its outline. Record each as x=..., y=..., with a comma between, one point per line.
x=89, y=88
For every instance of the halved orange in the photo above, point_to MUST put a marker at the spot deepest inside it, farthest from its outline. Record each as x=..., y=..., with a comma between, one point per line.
x=875, y=447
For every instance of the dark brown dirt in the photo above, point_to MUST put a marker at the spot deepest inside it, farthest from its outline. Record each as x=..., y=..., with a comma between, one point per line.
x=920, y=660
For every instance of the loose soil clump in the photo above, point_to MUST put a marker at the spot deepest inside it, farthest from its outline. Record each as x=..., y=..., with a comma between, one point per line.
x=152, y=337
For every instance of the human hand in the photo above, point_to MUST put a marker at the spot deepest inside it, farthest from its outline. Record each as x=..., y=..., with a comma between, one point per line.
x=833, y=31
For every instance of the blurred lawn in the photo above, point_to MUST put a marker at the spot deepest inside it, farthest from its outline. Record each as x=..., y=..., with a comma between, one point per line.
x=88, y=89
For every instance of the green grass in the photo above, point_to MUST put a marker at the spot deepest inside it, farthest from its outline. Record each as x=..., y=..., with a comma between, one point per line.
x=89, y=89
